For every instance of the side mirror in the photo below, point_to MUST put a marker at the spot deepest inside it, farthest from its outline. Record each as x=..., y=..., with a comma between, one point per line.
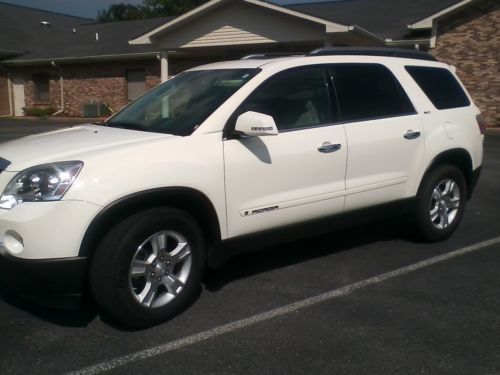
x=254, y=124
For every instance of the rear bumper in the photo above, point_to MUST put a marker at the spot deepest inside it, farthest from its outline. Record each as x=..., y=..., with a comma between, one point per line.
x=55, y=282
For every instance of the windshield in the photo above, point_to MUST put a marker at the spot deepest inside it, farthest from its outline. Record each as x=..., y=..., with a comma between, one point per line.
x=182, y=103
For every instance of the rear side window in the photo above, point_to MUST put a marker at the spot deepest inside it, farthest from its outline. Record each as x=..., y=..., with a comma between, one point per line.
x=296, y=99
x=368, y=91
x=440, y=86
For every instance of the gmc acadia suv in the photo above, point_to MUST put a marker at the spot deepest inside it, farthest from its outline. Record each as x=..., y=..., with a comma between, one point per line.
x=129, y=210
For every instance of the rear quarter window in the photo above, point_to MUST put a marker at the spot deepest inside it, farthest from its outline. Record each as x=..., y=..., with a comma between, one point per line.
x=440, y=86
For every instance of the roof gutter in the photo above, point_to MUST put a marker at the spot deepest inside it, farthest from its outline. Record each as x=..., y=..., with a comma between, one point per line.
x=127, y=56
x=366, y=34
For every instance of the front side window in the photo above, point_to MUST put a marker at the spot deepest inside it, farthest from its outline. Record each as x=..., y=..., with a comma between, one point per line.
x=41, y=82
x=368, y=91
x=296, y=98
x=440, y=86
x=182, y=103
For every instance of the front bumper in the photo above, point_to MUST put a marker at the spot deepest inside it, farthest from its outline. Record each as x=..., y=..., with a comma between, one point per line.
x=54, y=282
x=46, y=230
x=39, y=246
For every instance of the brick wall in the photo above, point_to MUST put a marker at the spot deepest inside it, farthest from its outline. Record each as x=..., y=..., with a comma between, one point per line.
x=98, y=82
x=470, y=40
x=83, y=83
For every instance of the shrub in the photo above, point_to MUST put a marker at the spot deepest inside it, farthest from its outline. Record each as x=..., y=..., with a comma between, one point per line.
x=39, y=112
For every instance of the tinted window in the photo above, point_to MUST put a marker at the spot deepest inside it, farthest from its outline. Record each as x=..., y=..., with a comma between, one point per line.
x=41, y=82
x=296, y=98
x=368, y=91
x=136, y=83
x=440, y=86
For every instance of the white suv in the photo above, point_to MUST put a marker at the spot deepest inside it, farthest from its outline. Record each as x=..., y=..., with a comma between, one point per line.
x=130, y=210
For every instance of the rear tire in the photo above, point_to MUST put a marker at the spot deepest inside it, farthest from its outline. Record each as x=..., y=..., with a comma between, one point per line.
x=440, y=203
x=148, y=268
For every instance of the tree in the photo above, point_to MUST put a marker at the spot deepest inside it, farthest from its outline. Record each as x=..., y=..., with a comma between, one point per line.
x=148, y=9
x=121, y=12
x=171, y=7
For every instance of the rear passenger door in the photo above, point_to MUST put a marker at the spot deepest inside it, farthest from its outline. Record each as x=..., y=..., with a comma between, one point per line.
x=384, y=133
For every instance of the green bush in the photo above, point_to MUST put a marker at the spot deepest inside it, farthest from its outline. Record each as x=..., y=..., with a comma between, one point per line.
x=39, y=112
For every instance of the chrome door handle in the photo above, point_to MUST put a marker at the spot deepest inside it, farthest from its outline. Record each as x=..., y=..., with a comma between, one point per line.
x=327, y=147
x=410, y=134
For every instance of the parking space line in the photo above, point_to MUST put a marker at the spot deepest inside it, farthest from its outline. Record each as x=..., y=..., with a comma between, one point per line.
x=280, y=311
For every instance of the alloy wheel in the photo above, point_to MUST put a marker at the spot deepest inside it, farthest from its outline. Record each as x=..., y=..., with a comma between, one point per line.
x=160, y=268
x=444, y=204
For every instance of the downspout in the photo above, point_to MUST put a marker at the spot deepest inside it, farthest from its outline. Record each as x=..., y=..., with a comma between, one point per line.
x=62, y=89
x=9, y=91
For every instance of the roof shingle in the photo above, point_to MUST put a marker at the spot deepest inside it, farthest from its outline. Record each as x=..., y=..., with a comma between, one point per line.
x=68, y=36
x=384, y=18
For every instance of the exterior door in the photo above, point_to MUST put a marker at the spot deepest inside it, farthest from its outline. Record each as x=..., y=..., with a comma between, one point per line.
x=18, y=89
x=299, y=174
x=384, y=134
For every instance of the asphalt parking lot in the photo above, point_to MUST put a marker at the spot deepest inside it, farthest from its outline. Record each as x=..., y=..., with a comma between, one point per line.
x=367, y=300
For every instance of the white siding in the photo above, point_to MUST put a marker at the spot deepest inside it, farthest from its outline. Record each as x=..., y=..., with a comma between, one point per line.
x=237, y=24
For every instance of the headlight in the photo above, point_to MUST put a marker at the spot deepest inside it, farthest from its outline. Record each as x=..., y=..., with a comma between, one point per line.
x=47, y=182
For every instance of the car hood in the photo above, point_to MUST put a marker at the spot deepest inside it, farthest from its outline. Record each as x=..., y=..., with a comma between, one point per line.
x=68, y=144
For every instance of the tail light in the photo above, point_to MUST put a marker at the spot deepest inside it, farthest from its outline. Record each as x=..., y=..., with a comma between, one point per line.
x=481, y=123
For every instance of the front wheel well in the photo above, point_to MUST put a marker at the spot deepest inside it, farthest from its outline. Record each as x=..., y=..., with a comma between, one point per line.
x=193, y=202
x=459, y=158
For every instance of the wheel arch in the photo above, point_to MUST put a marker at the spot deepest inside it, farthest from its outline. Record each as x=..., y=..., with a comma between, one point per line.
x=192, y=201
x=461, y=159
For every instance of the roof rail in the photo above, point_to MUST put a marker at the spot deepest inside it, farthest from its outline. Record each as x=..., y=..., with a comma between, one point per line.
x=271, y=55
x=369, y=51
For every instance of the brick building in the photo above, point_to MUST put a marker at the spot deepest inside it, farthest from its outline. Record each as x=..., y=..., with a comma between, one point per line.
x=68, y=63
x=471, y=40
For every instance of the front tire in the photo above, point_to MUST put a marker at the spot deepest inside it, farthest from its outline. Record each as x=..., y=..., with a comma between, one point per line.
x=440, y=203
x=148, y=268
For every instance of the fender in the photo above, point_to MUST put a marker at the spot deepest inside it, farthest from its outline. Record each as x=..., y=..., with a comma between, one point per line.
x=187, y=199
x=460, y=158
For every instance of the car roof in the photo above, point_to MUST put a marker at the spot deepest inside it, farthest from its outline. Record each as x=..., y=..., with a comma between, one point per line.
x=300, y=60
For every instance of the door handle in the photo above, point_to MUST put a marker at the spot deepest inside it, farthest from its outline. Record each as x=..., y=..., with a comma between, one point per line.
x=410, y=134
x=327, y=147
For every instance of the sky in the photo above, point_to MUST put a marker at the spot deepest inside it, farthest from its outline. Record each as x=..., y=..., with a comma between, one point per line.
x=89, y=8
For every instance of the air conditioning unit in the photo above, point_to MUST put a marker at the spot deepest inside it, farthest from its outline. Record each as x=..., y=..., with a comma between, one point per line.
x=96, y=109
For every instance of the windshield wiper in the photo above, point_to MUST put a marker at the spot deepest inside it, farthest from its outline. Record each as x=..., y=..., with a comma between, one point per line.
x=125, y=125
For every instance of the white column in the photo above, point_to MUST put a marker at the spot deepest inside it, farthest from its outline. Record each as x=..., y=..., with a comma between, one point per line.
x=434, y=34
x=164, y=66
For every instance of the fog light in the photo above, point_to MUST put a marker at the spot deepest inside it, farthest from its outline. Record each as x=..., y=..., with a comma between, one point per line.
x=13, y=242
